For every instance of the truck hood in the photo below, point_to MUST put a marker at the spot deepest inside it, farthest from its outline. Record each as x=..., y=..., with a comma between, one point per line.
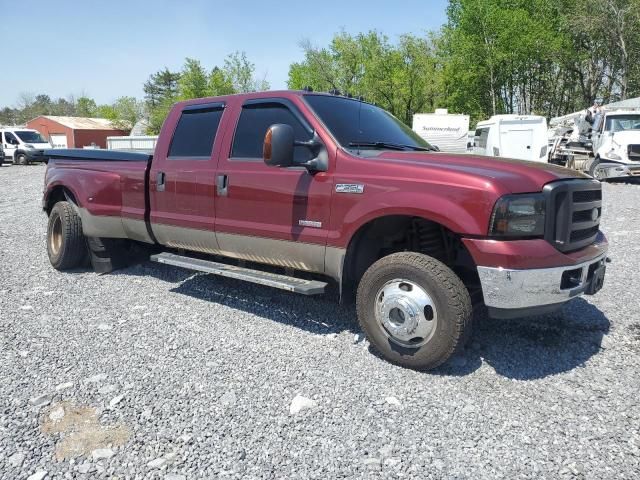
x=515, y=176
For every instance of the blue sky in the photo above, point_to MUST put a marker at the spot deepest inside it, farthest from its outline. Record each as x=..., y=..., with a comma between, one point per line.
x=109, y=49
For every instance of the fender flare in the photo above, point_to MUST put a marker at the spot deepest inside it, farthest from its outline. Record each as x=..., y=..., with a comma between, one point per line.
x=449, y=213
x=69, y=195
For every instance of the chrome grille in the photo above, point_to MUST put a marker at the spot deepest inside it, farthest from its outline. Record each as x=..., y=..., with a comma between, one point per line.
x=634, y=152
x=574, y=208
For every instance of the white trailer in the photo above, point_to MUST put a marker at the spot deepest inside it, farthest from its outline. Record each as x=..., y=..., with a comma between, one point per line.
x=522, y=137
x=447, y=131
x=138, y=143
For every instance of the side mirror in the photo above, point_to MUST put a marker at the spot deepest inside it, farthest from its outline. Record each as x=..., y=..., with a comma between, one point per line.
x=277, y=150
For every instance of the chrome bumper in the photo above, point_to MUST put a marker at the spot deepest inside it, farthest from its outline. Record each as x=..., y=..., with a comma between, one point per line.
x=506, y=289
x=617, y=170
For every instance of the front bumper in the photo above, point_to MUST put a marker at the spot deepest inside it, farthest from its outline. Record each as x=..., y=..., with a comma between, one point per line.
x=512, y=293
x=614, y=169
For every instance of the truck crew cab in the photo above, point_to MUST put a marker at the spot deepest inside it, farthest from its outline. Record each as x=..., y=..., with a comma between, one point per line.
x=326, y=188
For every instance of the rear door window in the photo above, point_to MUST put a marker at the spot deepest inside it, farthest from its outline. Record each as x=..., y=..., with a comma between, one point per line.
x=195, y=132
x=253, y=124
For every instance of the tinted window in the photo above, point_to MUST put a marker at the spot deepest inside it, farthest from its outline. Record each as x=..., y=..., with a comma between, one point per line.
x=352, y=121
x=254, y=122
x=482, y=135
x=10, y=138
x=195, y=133
x=28, y=136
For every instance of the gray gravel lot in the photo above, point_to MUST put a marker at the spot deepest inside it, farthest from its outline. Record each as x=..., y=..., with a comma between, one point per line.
x=175, y=375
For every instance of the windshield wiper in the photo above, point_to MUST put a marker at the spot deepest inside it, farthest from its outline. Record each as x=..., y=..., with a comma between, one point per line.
x=391, y=146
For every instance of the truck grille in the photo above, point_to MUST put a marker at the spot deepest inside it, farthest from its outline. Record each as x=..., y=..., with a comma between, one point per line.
x=634, y=153
x=587, y=196
x=574, y=208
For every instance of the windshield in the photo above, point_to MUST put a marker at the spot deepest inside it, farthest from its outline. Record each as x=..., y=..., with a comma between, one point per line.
x=378, y=128
x=619, y=123
x=30, y=137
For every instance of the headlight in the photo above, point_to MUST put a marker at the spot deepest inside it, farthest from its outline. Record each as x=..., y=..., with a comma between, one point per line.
x=613, y=156
x=518, y=216
x=28, y=145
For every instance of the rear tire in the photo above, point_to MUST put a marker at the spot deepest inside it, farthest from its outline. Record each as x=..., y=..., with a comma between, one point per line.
x=414, y=309
x=66, y=244
x=21, y=159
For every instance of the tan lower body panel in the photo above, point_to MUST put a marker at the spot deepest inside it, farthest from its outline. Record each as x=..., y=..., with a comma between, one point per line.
x=101, y=226
x=283, y=253
x=136, y=230
x=113, y=227
x=203, y=241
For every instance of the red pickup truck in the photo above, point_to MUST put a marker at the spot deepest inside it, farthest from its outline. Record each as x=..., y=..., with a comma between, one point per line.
x=296, y=189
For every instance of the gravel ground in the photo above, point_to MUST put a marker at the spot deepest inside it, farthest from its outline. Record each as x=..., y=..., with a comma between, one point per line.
x=154, y=372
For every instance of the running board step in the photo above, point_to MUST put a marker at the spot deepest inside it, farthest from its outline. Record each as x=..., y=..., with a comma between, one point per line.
x=283, y=282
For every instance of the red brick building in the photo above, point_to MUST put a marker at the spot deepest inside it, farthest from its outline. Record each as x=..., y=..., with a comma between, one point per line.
x=75, y=132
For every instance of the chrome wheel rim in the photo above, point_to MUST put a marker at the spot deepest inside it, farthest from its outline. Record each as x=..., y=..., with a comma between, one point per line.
x=55, y=238
x=406, y=313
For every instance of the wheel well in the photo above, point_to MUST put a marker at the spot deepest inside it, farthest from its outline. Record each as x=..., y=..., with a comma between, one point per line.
x=59, y=194
x=400, y=233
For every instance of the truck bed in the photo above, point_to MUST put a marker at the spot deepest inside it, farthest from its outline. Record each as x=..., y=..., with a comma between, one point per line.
x=109, y=187
x=96, y=154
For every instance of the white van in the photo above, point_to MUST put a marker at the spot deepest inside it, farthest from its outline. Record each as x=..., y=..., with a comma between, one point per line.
x=23, y=145
x=447, y=131
x=523, y=137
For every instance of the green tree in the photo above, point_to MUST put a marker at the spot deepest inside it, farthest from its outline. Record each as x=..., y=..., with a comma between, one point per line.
x=605, y=37
x=123, y=113
x=107, y=111
x=161, y=86
x=8, y=116
x=194, y=81
x=402, y=77
x=161, y=92
x=539, y=56
x=158, y=114
x=86, y=107
x=241, y=74
x=220, y=83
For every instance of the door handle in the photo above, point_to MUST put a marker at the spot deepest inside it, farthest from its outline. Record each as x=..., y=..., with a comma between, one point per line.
x=222, y=185
x=160, y=178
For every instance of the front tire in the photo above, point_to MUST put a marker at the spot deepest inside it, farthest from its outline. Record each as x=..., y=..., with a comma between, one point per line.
x=414, y=310
x=21, y=159
x=66, y=245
